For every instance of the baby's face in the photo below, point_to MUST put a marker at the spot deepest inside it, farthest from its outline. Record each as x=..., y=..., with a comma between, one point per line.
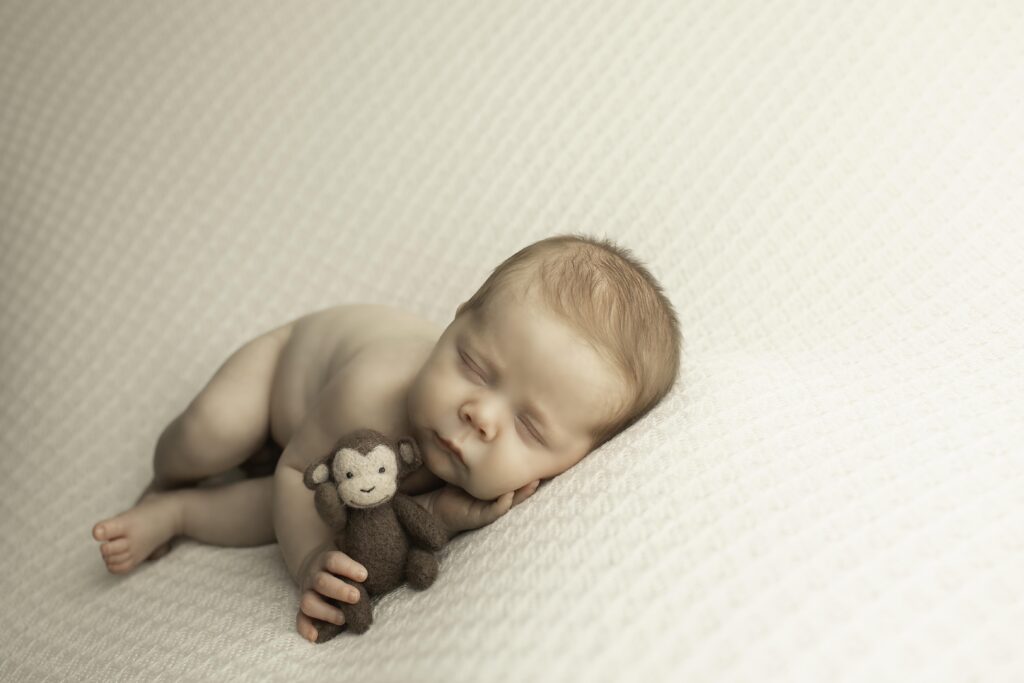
x=516, y=392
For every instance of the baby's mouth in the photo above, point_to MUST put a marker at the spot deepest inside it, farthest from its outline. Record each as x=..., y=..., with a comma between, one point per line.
x=449, y=448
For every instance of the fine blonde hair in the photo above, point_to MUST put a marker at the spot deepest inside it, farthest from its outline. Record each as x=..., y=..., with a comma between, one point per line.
x=608, y=297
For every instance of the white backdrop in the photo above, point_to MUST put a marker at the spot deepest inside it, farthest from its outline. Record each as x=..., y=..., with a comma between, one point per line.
x=830, y=192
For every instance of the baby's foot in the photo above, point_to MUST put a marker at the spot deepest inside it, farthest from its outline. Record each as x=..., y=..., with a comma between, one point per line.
x=143, y=532
x=155, y=486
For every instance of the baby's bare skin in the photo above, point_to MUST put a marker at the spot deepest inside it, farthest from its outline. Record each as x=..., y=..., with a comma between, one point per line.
x=343, y=355
x=512, y=392
x=502, y=398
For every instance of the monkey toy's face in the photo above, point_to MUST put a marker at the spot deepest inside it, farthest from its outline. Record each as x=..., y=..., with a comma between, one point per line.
x=365, y=479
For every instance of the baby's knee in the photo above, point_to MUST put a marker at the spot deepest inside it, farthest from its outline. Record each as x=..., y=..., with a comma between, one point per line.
x=209, y=427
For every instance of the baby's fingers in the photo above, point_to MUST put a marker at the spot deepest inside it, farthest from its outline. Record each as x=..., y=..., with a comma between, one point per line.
x=304, y=625
x=330, y=586
x=314, y=606
x=341, y=564
x=500, y=506
x=525, y=492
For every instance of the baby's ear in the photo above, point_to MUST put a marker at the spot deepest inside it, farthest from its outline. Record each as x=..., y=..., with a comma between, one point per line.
x=409, y=455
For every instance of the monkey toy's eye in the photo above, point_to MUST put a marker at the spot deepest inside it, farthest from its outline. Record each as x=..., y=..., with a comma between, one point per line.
x=348, y=475
x=381, y=470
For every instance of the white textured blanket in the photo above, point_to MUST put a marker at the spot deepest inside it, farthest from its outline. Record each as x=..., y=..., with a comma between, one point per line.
x=831, y=193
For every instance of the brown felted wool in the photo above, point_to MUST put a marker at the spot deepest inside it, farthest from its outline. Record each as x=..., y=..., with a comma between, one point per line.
x=356, y=492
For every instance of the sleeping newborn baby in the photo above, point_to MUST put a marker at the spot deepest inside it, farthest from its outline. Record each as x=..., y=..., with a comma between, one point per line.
x=568, y=342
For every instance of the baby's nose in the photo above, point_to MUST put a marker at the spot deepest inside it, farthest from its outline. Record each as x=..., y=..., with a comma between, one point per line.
x=482, y=423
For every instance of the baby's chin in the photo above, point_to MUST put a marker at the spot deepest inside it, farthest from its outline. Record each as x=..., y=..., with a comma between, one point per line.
x=481, y=494
x=439, y=472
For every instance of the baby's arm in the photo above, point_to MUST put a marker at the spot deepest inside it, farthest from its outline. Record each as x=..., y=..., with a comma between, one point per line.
x=458, y=511
x=297, y=524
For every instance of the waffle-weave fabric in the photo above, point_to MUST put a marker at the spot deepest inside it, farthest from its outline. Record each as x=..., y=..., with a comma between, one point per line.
x=830, y=192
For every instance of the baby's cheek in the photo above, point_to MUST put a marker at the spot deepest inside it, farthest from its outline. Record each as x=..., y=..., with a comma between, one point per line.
x=417, y=403
x=430, y=462
x=487, y=484
x=423, y=388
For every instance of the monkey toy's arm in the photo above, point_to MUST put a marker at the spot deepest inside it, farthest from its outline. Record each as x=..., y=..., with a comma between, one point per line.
x=424, y=528
x=328, y=503
x=330, y=507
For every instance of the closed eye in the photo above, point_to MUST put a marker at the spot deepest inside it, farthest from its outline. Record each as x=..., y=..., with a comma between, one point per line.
x=469, y=364
x=529, y=429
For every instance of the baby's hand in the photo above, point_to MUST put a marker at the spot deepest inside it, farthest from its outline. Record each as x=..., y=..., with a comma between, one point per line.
x=459, y=511
x=319, y=581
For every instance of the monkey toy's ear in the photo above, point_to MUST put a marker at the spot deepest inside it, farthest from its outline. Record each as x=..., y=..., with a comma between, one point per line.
x=318, y=472
x=409, y=458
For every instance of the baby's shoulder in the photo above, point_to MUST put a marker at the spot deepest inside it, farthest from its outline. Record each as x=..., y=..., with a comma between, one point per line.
x=373, y=354
x=369, y=334
x=389, y=346
x=359, y=325
x=327, y=340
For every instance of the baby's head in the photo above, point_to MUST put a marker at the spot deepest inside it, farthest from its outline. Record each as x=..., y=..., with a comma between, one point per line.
x=566, y=344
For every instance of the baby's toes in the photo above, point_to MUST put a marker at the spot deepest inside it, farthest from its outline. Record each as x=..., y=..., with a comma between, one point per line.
x=116, y=547
x=108, y=529
x=121, y=567
x=115, y=560
x=120, y=562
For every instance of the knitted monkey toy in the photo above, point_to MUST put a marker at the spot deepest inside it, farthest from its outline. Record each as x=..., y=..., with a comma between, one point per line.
x=356, y=493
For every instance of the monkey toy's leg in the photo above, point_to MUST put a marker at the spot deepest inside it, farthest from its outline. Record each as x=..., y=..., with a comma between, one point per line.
x=420, y=568
x=359, y=616
x=325, y=630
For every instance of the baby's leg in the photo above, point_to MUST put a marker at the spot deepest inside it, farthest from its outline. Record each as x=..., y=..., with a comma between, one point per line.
x=227, y=421
x=237, y=514
x=222, y=426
